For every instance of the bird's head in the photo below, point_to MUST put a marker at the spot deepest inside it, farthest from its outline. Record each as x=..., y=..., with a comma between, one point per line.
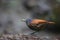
x=27, y=21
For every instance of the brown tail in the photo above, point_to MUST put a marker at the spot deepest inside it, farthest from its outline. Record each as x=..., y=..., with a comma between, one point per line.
x=51, y=22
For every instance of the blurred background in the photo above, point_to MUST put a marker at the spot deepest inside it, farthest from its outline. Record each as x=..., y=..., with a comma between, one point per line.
x=12, y=11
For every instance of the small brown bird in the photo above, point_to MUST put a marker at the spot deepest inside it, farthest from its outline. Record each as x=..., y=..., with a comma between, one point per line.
x=37, y=24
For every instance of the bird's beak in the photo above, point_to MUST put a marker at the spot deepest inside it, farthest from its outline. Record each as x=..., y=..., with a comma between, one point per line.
x=23, y=20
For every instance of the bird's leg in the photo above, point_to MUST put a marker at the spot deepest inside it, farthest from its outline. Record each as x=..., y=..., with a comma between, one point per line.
x=34, y=32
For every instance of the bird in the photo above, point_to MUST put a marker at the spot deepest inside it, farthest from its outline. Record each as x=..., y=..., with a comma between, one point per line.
x=37, y=24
